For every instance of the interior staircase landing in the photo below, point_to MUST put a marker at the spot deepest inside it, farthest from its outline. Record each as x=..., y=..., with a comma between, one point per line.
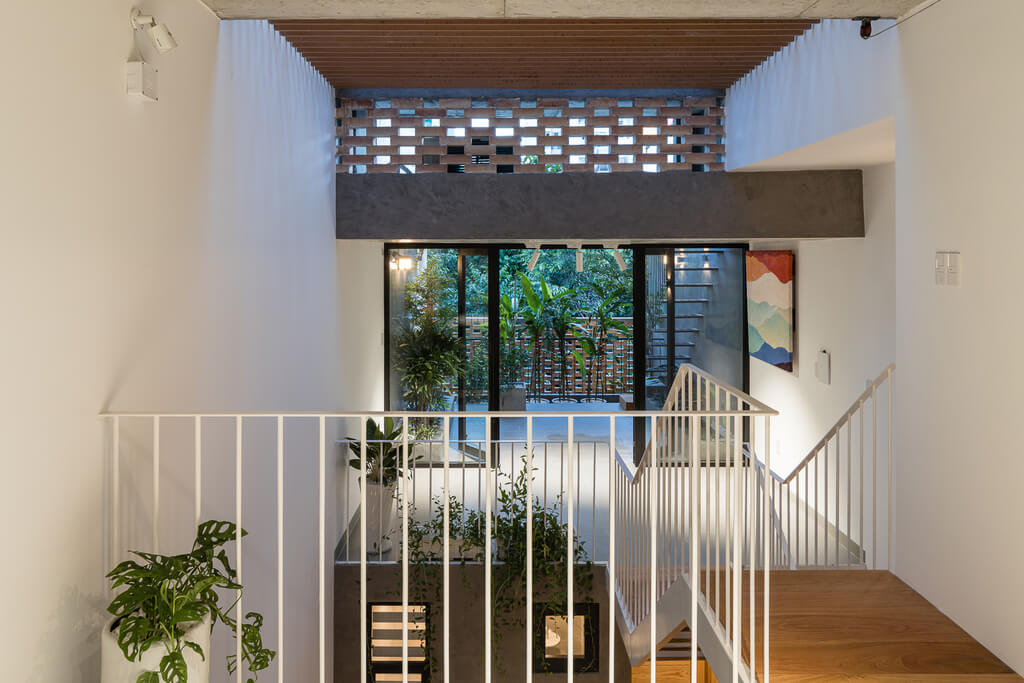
x=862, y=625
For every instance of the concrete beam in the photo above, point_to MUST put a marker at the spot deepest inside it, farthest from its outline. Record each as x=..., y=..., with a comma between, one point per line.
x=554, y=9
x=621, y=207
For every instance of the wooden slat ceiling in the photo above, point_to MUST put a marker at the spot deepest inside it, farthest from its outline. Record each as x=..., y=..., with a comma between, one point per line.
x=538, y=54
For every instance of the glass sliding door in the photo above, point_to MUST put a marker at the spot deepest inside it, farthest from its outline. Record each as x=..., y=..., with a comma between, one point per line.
x=479, y=328
x=424, y=350
x=437, y=338
x=695, y=314
x=566, y=325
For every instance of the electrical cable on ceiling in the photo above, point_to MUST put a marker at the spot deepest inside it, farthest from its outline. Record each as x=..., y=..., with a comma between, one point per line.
x=923, y=9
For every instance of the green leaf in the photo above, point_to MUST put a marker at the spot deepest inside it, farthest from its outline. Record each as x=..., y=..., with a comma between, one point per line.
x=213, y=533
x=581, y=362
x=532, y=300
x=173, y=667
x=196, y=648
x=148, y=677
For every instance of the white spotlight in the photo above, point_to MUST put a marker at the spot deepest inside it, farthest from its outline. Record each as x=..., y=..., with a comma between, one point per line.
x=579, y=260
x=707, y=263
x=161, y=36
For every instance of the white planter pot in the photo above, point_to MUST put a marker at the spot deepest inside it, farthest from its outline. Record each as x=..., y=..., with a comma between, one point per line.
x=381, y=506
x=117, y=669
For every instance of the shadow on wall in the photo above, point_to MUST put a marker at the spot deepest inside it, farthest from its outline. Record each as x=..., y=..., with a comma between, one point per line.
x=78, y=620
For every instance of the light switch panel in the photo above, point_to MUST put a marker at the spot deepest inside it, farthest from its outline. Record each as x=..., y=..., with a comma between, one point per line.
x=941, y=266
x=953, y=269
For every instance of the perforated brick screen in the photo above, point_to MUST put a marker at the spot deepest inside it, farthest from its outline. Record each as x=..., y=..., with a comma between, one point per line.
x=521, y=135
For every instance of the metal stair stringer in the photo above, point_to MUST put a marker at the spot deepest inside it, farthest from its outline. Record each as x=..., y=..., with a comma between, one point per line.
x=674, y=610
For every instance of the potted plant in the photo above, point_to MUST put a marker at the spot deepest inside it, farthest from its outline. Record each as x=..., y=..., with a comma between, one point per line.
x=383, y=453
x=513, y=358
x=163, y=617
x=428, y=356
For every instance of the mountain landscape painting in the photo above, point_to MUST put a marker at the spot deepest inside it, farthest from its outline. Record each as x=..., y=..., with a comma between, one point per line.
x=770, y=307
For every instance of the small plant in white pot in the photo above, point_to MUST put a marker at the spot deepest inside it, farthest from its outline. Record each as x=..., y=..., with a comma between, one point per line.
x=167, y=609
x=382, y=469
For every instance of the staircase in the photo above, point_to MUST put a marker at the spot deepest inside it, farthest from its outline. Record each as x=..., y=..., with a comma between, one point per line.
x=693, y=523
x=690, y=278
x=816, y=598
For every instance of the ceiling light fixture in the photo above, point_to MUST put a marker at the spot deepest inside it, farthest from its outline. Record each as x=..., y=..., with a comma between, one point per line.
x=161, y=36
x=535, y=256
x=578, y=246
x=616, y=254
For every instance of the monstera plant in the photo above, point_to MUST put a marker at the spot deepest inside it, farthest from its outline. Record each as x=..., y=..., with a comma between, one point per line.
x=166, y=609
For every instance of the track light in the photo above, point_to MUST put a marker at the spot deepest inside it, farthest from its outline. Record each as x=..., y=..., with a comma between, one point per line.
x=707, y=263
x=578, y=246
x=619, y=260
x=161, y=36
x=616, y=254
x=535, y=256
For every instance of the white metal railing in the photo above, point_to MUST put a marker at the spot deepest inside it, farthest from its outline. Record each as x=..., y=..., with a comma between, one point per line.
x=469, y=475
x=691, y=529
x=685, y=520
x=835, y=508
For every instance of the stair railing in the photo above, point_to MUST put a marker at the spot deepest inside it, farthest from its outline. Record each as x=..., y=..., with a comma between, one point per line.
x=690, y=527
x=834, y=508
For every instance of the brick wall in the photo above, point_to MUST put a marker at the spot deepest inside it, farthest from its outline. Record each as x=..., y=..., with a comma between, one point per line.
x=521, y=135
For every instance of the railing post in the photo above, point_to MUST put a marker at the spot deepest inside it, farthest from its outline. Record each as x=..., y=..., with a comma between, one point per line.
x=571, y=553
x=529, y=551
x=405, y=550
x=115, y=493
x=874, y=479
x=768, y=508
x=737, y=559
x=612, y=490
x=280, y=539
x=694, y=430
x=890, y=564
x=446, y=553
x=652, y=477
x=238, y=546
x=156, y=484
x=363, y=635
x=488, y=620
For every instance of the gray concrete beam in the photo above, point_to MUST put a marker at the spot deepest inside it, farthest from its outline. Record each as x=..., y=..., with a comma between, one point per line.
x=621, y=207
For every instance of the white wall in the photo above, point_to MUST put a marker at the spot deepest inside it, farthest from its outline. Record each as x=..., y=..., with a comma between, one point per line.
x=958, y=466
x=844, y=304
x=168, y=256
x=826, y=82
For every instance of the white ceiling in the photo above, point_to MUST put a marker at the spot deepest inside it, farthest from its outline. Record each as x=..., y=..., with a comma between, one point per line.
x=862, y=147
x=675, y=9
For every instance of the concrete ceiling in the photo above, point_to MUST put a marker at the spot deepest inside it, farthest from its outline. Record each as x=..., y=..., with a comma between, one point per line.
x=552, y=9
x=869, y=145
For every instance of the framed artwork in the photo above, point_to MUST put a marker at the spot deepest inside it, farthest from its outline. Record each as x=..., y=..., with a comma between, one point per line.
x=770, y=307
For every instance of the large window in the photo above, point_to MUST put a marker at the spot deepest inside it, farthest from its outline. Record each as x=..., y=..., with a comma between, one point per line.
x=513, y=329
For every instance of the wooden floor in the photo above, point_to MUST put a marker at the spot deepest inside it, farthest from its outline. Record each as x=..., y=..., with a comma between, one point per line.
x=865, y=626
x=676, y=671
